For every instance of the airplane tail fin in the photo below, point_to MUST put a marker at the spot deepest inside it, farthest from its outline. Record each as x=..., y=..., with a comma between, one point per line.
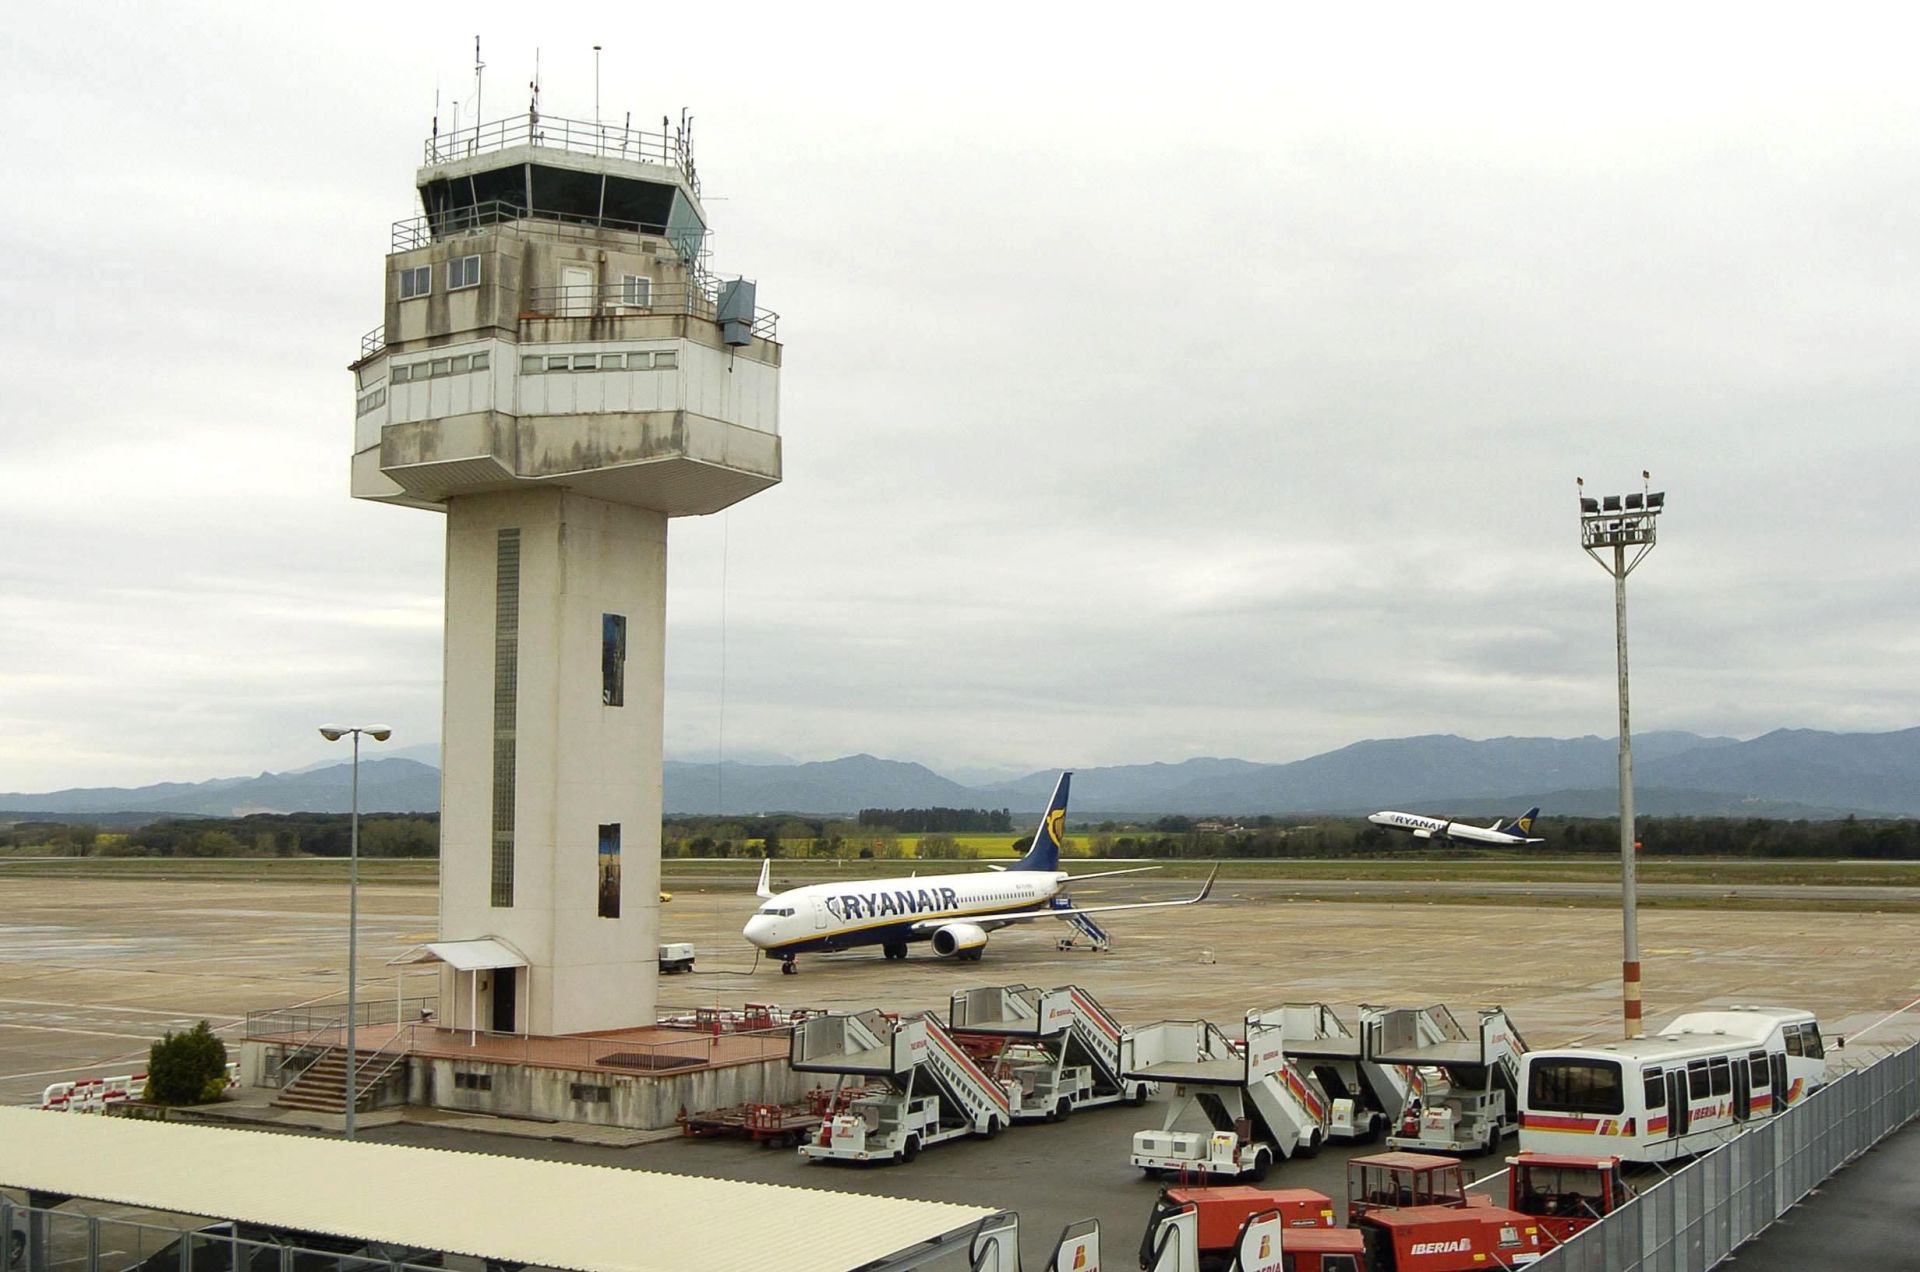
x=1523, y=825
x=1045, y=852
x=765, y=889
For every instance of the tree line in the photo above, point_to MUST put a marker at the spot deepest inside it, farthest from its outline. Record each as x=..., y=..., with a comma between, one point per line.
x=418, y=835
x=949, y=821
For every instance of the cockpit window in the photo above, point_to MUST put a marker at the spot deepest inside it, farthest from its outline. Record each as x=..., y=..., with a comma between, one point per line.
x=776, y=910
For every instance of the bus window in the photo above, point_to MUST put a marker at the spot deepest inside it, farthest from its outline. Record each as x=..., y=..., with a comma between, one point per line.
x=1793, y=1040
x=1576, y=1086
x=1720, y=1072
x=1758, y=1064
x=1656, y=1089
x=1810, y=1037
x=1699, y=1086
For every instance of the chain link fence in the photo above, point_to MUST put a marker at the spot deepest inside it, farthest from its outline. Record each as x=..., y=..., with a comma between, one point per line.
x=1701, y=1213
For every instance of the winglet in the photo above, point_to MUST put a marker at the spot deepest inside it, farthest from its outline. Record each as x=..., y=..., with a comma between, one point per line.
x=766, y=870
x=1204, y=892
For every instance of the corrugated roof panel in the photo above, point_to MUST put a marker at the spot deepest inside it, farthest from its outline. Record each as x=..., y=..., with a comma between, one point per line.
x=591, y=1218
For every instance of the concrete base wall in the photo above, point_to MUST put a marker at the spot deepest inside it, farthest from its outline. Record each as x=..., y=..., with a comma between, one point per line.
x=643, y=1102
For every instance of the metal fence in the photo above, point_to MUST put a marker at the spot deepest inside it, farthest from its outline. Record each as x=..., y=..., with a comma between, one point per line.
x=1701, y=1213
x=671, y=147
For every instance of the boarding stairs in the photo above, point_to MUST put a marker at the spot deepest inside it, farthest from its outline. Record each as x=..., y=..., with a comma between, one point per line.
x=1097, y=937
x=1250, y=1089
x=869, y=1046
x=1475, y=1072
x=1376, y=1094
x=1078, y=1038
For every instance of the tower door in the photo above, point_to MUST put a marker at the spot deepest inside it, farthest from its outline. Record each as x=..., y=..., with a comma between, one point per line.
x=506, y=986
x=576, y=291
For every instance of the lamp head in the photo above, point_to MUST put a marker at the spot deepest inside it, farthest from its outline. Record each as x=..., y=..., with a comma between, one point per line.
x=333, y=732
x=378, y=732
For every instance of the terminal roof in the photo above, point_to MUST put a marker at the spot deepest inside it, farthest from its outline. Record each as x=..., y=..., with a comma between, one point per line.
x=506, y=1209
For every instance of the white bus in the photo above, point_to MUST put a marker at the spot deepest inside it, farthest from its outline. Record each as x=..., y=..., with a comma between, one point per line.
x=1682, y=1091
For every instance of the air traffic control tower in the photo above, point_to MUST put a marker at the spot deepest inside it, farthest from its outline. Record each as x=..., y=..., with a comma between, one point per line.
x=559, y=374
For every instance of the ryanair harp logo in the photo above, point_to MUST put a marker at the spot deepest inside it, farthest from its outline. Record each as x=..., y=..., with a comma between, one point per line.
x=1056, y=825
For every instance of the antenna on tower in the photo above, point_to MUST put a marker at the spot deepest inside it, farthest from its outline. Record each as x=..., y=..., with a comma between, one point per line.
x=533, y=102
x=478, y=68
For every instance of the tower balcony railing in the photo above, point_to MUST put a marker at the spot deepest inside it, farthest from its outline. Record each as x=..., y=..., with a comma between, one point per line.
x=374, y=341
x=698, y=299
x=420, y=231
x=669, y=147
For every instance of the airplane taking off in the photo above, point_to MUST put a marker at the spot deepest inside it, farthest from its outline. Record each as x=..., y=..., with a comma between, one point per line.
x=1506, y=834
x=954, y=911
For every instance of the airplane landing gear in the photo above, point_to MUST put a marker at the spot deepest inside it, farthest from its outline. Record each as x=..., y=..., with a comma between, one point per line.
x=895, y=950
x=788, y=967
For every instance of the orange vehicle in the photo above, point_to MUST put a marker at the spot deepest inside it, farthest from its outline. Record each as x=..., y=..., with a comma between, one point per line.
x=1308, y=1241
x=1564, y=1193
x=1417, y=1216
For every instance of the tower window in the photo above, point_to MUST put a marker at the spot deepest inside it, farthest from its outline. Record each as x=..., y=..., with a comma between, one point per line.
x=613, y=660
x=417, y=281
x=665, y=358
x=636, y=290
x=609, y=873
x=463, y=271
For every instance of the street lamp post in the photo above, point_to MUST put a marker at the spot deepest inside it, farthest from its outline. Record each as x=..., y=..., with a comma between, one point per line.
x=333, y=733
x=1622, y=522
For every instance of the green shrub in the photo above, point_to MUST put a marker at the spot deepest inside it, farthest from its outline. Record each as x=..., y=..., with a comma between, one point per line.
x=187, y=1068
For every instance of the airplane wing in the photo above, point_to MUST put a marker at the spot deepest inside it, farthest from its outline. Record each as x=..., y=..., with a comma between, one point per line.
x=1101, y=874
x=1021, y=916
x=765, y=889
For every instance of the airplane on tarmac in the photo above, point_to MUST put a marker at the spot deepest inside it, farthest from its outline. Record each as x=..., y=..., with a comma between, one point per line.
x=1507, y=834
x=953, y=911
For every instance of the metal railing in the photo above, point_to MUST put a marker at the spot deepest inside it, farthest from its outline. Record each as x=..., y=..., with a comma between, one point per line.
x=311, y=1018
x=670, y=146
x=697, y=299
x=419, y=231
x=611, y=1054
x=1696, y=1217
x=374, y=341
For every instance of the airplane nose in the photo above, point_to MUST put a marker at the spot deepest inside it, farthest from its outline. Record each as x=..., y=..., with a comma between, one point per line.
x=759, y=929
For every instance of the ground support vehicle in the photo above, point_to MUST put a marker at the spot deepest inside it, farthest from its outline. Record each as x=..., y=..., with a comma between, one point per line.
x=1203, y=1230
x=676, y=957
x=1467, y=1093
x=1416, y=1213
x=1060, y=1050
x=1091, y=936
x=1687, y=1089
x=1260, y=1108
x=1366, y=1098
x=922, y=1088
x=1563, y=1192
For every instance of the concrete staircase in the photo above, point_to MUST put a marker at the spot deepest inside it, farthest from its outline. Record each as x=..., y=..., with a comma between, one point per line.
x=323, y=1087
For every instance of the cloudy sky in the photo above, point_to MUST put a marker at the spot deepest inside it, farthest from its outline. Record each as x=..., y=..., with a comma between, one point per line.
x=1161, y=386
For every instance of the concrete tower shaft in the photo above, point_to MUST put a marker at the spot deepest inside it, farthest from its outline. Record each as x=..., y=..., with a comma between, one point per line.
x=559, y=373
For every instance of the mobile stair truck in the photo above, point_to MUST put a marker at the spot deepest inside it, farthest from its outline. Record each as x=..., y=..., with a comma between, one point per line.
x=1469, y=1082
x=1260, y=1107
x=1060, y=1050
x=1366, y=1097
x=920, y=1087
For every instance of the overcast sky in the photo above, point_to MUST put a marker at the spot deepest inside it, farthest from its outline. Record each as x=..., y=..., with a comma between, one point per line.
x=1174, y=384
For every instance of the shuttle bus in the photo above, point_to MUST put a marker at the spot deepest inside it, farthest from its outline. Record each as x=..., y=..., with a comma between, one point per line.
x=1682, y=1091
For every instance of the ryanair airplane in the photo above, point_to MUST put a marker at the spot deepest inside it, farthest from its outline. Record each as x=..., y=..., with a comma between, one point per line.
x=1506, y=834
x=953, y=911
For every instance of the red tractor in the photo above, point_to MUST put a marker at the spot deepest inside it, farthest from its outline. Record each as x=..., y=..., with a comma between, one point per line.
x=1564, y=1193
x=1417, y=1216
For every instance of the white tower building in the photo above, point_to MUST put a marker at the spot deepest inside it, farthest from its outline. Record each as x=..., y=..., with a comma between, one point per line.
x=559, y=374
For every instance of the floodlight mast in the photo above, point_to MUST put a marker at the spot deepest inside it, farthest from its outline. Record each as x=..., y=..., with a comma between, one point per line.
x=1606, y=523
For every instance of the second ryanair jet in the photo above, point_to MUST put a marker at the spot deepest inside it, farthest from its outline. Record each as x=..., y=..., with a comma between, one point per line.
x=954, y=912
x=1506, y=834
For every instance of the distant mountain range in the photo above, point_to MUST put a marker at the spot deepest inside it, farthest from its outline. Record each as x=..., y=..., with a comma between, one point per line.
x=1787, y=773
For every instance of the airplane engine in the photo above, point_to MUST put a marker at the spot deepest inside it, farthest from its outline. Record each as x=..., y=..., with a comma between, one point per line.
x=1423, y=834
x=960, y=940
